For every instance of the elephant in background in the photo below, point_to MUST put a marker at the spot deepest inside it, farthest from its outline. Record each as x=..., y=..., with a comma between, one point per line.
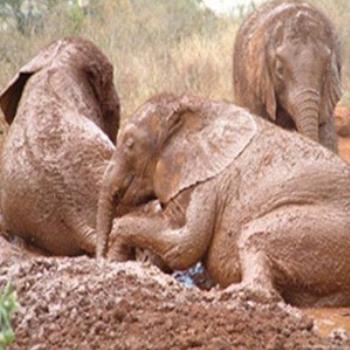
x=63, y=112
x=287, y=68
x=263, y=209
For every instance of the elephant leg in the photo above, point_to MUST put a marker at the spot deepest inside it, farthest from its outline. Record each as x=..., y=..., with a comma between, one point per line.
x=336, y=299
x=257, y=279
x=85, y=236
x=298, y=250
x=328, y=136
x=179, y=248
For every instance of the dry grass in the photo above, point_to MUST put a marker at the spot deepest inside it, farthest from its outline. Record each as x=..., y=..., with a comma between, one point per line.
x=160, y=45
x=151, y=49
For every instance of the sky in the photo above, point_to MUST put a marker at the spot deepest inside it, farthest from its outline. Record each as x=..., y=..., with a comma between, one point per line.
x=224, y=6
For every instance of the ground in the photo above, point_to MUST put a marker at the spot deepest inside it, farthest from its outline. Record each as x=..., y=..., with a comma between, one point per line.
x=80, y=303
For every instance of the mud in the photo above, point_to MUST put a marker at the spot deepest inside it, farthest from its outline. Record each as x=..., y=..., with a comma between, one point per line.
x=330, y=321
x=82, y=304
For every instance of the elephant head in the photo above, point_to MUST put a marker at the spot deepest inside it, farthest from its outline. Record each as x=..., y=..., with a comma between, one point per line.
x=169, y=145
x=72, y=54
x=300, y=70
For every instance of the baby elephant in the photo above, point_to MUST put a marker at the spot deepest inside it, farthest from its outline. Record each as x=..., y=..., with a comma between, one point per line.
x=287, y=68
x=64, y=116
x=262, y=208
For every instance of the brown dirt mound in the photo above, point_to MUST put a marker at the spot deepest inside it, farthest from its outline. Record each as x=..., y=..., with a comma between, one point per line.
x=84, y=304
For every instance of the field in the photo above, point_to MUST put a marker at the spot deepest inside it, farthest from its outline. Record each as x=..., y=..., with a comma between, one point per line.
x=154, y=46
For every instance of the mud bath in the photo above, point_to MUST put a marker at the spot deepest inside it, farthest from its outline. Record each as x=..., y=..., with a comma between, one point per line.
x=79, y=303
x=330, y=320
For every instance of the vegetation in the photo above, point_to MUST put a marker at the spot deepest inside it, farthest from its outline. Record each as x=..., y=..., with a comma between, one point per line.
x=8, y=305
x=160, y=45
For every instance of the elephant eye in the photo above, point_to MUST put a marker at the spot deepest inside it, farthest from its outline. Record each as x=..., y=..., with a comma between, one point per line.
x=129, y=143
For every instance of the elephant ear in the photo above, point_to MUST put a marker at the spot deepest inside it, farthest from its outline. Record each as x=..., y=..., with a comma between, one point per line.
x=264, y=70
x=269, y=97
x=203, y=139
x=11, y=95
x=332, y=88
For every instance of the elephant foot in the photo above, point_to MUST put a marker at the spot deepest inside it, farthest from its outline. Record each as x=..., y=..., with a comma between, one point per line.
x=252, y=292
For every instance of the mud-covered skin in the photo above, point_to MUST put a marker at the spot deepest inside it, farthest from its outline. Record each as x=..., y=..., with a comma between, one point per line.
x=287, y=68
x=57, y=147
x=276, y=219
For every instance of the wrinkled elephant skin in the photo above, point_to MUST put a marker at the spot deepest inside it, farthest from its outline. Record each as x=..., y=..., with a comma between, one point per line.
x=63, y=112
x=287, y=68
x=264, y=209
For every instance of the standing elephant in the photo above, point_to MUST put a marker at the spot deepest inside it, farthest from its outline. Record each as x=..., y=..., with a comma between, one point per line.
x=287, y=68
x=262, y=208
x=64, y=116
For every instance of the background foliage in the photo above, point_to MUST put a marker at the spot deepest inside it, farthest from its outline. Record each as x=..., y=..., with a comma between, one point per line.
x=8, y=305
x=171, y=45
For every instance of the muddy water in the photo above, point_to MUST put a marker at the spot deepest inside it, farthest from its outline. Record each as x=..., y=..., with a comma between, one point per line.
x=329, y=319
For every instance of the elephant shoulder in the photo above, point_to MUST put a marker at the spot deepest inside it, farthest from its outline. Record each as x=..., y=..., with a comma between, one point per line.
x=83, y=132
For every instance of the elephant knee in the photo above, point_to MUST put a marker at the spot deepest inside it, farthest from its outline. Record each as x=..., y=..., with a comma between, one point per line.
x=253, y=238
x=177, y=259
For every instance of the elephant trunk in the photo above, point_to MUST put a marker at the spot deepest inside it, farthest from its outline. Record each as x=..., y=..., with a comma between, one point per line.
x=105, y=214
x=112, y=192
x=306, y=114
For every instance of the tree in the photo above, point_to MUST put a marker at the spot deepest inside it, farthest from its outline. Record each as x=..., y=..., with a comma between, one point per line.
x=25, y=15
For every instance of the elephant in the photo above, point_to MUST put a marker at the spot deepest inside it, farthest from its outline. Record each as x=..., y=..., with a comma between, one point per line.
x=287, y=68
x=13, y=248
x=63, y=112
x=263, y=209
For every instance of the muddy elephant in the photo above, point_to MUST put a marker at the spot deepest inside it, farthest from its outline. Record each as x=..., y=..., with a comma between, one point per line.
x=263, y=209
x=63, y=112
x=13, y=248
x=287, y=68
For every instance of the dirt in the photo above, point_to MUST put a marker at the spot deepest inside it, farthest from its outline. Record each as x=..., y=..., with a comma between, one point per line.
x=329, y=320
x=80, y=303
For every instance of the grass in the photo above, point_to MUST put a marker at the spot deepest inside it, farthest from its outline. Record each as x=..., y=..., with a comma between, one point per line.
x=8, y=305
x=155, y=46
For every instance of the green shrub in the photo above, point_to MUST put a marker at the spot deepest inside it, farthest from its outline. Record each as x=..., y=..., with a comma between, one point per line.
x=8, y=305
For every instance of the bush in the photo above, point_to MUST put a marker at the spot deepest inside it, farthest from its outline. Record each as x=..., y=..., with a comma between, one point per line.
x=8, y=305
x=160, y=45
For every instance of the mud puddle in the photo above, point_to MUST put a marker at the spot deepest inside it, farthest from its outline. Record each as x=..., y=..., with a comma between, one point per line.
x=328, y=320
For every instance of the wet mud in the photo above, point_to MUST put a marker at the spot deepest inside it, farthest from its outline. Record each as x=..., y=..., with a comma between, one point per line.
x=329, y=321
x=78, y=303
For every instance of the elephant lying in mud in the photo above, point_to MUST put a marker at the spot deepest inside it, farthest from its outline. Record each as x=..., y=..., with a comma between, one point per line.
x=64, y=116
x=262, y=208
x=287, y=68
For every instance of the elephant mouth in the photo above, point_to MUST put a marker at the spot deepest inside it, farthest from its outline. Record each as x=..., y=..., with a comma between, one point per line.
x=128, y=194
x=144, y=199
x=122, y=192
